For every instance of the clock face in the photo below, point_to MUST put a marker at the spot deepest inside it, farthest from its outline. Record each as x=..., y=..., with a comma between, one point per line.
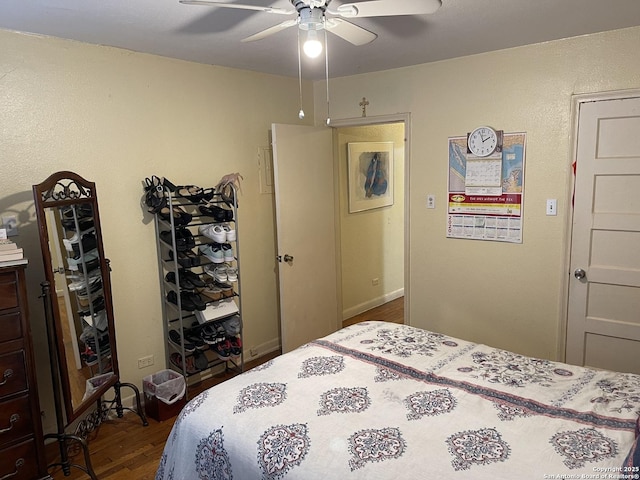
x=483, y=141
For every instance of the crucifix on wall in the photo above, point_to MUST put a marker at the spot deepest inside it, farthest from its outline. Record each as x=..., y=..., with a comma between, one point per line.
x=364, y=104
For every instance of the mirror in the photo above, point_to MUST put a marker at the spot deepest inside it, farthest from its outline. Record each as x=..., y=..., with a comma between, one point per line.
x=78, y=274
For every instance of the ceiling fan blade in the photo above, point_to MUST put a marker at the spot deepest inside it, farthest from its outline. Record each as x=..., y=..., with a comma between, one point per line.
x=239, y=6
x=386, y=8
x=350, y=32
x=270, y=31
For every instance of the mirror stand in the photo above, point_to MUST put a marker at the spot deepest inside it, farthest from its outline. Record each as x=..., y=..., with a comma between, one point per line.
x=81, y=338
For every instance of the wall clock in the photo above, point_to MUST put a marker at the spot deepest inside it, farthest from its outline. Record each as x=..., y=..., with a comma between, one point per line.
x=484, y=141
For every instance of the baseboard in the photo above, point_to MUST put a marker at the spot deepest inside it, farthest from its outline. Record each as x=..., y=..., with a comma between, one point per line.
x=262, y=349
x=373, y=303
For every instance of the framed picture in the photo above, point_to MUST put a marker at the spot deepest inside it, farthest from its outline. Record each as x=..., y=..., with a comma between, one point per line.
x=370, y=175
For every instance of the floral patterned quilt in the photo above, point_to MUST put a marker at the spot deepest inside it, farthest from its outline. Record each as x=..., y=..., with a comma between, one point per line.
x=380, y=400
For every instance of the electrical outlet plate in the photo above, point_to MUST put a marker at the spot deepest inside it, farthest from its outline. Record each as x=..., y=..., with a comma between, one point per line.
x=552, y=206
x=431, y=201
x=145, y=362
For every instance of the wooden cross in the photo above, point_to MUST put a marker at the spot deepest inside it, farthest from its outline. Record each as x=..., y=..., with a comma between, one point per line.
x=364, y=104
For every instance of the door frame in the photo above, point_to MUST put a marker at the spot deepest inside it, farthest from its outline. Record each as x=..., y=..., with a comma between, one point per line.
x=576, y=102
x=404, y=118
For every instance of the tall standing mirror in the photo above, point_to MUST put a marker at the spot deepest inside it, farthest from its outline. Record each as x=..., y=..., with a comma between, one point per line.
x=79, y=310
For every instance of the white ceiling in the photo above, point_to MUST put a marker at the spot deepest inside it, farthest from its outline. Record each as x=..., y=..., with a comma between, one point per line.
x=212, y=35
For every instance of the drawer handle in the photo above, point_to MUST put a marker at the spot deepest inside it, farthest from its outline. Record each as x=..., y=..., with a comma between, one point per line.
x=7, y=373
x=14, y=418
x=19, y=465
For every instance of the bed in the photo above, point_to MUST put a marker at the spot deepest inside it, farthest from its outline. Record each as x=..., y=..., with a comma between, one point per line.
x=379, y=400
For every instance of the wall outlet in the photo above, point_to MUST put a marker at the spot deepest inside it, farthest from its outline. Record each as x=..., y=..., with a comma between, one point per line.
x=145, y=362
x=431, y=201
x=10, y=224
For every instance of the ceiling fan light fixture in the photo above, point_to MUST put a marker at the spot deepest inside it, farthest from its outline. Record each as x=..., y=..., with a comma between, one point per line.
x=312, y=46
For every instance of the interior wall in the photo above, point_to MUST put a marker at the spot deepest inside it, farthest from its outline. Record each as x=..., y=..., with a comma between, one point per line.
x=115, y=117
x=372, y=241
x=507, y=295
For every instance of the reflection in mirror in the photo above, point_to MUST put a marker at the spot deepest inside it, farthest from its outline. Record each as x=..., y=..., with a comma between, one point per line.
x=78, y=286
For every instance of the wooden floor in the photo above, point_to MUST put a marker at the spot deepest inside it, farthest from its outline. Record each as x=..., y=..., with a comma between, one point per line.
x=124, y=449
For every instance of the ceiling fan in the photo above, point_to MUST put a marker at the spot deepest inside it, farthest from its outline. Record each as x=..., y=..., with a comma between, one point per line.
x=314, y=15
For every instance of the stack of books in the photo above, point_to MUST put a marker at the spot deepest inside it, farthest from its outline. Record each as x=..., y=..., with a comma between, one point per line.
x=9, y=251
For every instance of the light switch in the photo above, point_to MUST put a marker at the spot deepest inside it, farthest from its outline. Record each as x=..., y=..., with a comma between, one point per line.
x=552, y=206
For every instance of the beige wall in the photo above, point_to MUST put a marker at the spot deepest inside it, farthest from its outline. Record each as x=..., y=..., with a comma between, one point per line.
x=372, y=242
x=509, y=296
x=116, y=117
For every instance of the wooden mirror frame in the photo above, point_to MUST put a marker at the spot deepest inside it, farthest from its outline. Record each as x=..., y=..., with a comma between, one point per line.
x=63, y=189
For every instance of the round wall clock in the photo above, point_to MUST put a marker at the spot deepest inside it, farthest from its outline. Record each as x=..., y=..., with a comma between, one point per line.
x=483, y=141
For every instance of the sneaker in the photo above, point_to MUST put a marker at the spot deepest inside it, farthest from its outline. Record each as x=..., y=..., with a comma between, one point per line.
x=227, y=252
x=176, y=339
x=218, y=273
x=218, y=233
x=197, y=340
x=230, y=232
x=208, y=231
x=212, y=252
x=209, y=335
x=236, y=346
x=232, y=274
x=223, y=350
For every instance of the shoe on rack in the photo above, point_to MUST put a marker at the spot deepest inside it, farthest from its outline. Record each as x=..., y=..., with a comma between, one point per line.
x=209, y=335
x=213, y=252
x=232, y=274
x=188, y=301
x=180, y=216
x=197, y=340
x=214, y=211
x=236, y=346
x=227, y=290
x=214, y=232
x=211, y=291
x=200, y=360
x=227, y=251
x=223, y=350
x=230, y=232
x=185, y=283
x=186, y=259
x=176, y=339
x=190, y=192
x=176, y=359
x=192, y=277
x=217, y=272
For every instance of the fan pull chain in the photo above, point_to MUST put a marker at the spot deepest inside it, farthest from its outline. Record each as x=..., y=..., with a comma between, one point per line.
x=301, y=112
x=326, y=65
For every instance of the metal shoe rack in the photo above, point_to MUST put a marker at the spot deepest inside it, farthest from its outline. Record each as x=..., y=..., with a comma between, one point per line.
x=188, y=323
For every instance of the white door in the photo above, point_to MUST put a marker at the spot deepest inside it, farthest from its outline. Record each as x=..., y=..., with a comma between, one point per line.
x=604, y=290
x=305, y=225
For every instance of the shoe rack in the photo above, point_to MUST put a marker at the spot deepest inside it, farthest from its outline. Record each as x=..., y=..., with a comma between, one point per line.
x=199, y=263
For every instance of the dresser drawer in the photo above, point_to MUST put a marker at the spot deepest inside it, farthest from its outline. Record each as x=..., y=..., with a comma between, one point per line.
x=13, y=375
x=8, y=291
x=15, y=420
x=10, y=327
x=19, y=462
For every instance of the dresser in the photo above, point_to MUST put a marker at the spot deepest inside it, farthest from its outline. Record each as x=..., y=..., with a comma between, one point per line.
x=21, y=441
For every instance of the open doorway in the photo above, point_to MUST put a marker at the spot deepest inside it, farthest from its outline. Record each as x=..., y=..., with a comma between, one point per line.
x=372, y=240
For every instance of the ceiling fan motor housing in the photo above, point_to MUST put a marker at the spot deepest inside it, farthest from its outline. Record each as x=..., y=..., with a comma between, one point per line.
x=311, y=17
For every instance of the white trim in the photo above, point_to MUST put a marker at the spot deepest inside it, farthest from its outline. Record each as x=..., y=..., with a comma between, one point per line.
x=373, y=303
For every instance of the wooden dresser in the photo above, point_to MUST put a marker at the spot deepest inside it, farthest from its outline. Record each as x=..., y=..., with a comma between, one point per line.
x=21, y=440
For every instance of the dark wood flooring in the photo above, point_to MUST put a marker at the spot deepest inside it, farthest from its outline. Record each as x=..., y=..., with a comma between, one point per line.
x=124, y=449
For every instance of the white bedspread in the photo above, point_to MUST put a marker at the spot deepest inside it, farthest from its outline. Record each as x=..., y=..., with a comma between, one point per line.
x=384, y=401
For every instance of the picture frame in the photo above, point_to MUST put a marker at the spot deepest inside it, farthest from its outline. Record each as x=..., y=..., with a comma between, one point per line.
x=370, y=175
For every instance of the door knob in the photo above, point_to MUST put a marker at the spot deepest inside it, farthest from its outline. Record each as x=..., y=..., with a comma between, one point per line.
x=286, y=258
x=580, y=274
